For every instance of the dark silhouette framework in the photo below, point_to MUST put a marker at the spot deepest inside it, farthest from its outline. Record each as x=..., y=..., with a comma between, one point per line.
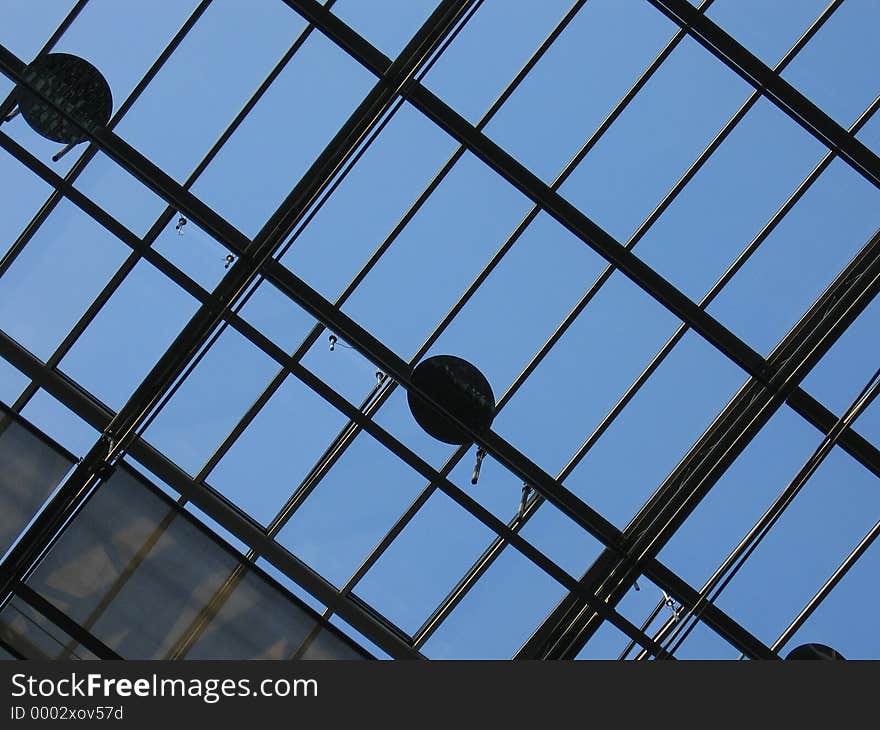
x=628, y=554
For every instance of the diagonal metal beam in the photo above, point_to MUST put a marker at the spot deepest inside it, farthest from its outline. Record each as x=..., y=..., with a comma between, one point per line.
x=570, y=625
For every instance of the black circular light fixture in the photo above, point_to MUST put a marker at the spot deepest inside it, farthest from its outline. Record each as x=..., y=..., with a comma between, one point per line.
x=814, y=651
x=72, y=83
x=459, y=387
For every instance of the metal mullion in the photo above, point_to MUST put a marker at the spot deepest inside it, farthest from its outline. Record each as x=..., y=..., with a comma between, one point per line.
x=163, y=219
x=307, y=341
x=91, y=150
x=774, y=87
x=740, y=261
x=139, y=250
x=230, y=517
x=415, y=462
x=380, y=87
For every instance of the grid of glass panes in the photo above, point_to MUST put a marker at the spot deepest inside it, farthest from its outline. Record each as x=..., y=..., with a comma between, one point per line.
x=448, y=230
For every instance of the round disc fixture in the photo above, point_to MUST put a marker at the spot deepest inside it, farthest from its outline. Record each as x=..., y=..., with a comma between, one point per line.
x=460, y=388
x=814, y=651
x=74, y=85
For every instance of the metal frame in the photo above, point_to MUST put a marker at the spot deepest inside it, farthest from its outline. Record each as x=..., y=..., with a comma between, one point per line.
x=628, y=553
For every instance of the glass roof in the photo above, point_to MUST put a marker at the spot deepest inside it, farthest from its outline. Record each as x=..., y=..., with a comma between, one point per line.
x=652, y=225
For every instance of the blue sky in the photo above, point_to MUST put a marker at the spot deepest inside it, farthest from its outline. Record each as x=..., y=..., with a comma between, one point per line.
x=431, y=263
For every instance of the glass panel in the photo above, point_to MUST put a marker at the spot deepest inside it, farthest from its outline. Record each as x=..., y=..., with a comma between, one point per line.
x=839, y=376
x=211, y=400
x=870, y=134
x=560, y=538
x=847, y=618
x=578, y=82
x=740, y=497
x=369, y=202
x=469, y=78
x=704, y=643
x=35, y=637
x=835, y=509
x=437, y=255
x=255, y=620
x=194, y=252
x=30, y=469
x=151, y=583
x=512, y=598
x=607, y=643
x=60, y=423
x=836, y=68
x=139, y=34
x=352, y=508
x=730, y=199
x=585, y=373
x=24, y=32
x=129, y=335
x=522, y=302
x=207, y=81
x=120, y=194
x=766, y=29
x=273, y=455
x=56, y=277
x=12, y=382
x=424, y=563
x=656, y=139
x=122, y=56
x=273, y=148
x=277, y=316
x=655, y=430
x=387, y=24
x=23, y=195
x=801, y=257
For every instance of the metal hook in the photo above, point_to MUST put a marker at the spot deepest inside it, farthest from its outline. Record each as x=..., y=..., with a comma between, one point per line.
x=332, y=339
x=481, y=454
x=57, y=156
x=229, y=259
x=181, y=222
x=526, y=491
